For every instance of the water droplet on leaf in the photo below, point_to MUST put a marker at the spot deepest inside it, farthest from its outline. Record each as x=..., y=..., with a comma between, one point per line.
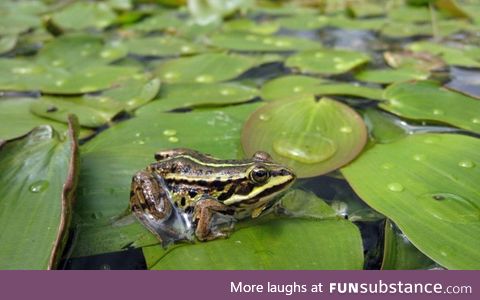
x=307, y=148
x=395, y=187
x=173, y=139
x=466, y=164
x=38, y=186
x=169, y=132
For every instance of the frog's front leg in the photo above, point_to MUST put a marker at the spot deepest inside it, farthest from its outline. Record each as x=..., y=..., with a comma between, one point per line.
x=213, y=219
x=151, y=203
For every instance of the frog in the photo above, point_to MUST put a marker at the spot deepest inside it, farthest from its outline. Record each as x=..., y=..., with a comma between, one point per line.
x=187, y=195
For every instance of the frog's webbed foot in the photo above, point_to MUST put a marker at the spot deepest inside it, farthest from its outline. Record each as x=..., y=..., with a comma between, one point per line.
x=213, y=220
x=152, y=205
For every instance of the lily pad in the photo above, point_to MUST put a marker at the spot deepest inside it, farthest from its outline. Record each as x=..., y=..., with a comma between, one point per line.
x=15, y=21
x=158, y=22
x=67, y=51
x=261, y=43
x=134, y=92
x=332, y=244
x=83, y=15
x=91, y=111
x=7, y=43
x=25, y=75
x=162, y=46
x=427, y=100
x=452, y=55
x=303, y=22
x=16, y=119
x=391, y=75
x=294, y=85
x=312, y=137
x=383, y=128
x=189, y=95
x=426, y=184
x=290, y=85
x=326, y=61
x=38, y=175
x=250, y=26
x=399, y=253
x=205, y=68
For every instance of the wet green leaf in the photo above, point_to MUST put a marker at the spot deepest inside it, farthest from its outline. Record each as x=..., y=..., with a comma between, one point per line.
x=162, y=46
x=25, y=75
x=427, y=100
x=410, y=14
x=262, y=43
x=91, y=111
x=345, y=22
x=38, y=181
x=399, y=253
x=293, y=85
x=312, y=137
x=208, y=12
x=383, y=127
x=158, y=22
x=83, y=15
x=426, y=184
x=205, y=68
x=134, y=92
x=189, y=95
x=67, y=51
x=303, y=22
x=19, y=17
x=7, y=43
x=288, y=86
x=250, y=26
x=459, y=56
x=17, y=120
x=327, y=61
x=332, y=244
x=391, y=75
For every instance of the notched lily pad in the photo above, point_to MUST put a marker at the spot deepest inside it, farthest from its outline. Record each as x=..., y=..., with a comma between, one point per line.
x=427, y=184
x=38, y=175
x=312, y=137
x=327, y=61
x=427, y=100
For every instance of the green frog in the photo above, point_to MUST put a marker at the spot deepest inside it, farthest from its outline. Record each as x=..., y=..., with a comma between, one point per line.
x=187, y=194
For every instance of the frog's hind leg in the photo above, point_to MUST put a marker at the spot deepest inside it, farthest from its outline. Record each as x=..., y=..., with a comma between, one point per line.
x=214, y=220
x=152, y=205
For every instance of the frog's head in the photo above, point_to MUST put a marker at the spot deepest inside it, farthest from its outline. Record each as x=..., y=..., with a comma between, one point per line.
x=263, y=179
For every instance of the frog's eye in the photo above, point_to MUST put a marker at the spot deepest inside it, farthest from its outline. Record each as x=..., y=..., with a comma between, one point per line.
x=259, y=174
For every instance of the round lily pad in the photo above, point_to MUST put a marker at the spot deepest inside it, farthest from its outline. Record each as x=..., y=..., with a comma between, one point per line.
x=327, y=61
x=312, y=137
x=7, y=43
x=427, y=100
x=250, y=26
x=204, y=68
